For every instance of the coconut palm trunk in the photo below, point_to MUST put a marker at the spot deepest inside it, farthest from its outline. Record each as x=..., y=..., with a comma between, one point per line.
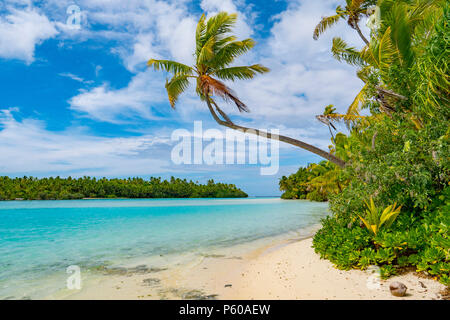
x=216, y=49
x=226, y=122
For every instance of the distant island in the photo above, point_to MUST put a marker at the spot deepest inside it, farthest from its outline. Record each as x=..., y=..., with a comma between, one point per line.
x=30, y=188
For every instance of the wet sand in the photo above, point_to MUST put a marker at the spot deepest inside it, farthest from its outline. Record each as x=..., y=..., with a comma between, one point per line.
x=280, y=269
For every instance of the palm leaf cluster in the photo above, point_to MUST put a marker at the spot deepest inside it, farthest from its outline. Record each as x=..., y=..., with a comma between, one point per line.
x=326, y=179
x=432, y=68
x=404, y=26
x=353, y=12
x=317, y=181
x=216, y=49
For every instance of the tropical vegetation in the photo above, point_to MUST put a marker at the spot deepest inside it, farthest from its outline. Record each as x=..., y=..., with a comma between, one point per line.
x=395, y=209
x=316, y=182
x=387, y=176
x=29, y=188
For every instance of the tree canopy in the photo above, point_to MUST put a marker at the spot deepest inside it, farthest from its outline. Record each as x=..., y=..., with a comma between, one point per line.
x=29, y=188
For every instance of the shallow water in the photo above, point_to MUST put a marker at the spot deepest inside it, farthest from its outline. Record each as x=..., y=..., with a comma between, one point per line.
x=40, y=239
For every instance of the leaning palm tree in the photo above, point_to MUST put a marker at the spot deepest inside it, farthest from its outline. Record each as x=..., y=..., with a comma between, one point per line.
x=216, y=49
x=352, y=12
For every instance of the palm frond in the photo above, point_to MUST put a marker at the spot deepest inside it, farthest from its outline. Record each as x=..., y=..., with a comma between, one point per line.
x=220, y=24
x=175, y=87
x=212, y=87
x=355, y=107
x=324, y=24
x=200, y=34
x=381, y=53
x=207, y=51
x=423, y=30
x=342, y=52
x=240, y=73
x=386, y=52
x=170, y=66
x=364, y=73
x=230, y=51
x=401, y=33
x=362, y=7
x=349, y=120
x=356, y=4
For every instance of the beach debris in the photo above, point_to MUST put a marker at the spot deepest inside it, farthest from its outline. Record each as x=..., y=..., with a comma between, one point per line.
x=444, y=294
x=121, y=271
x=185, y=294
x=398, y=289
x=213, y=256
x=228, y=285
x=197, y=295
x=151, y=282
x=422, y=284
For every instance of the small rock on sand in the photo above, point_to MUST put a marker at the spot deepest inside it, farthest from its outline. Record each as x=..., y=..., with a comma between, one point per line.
x=398, y=289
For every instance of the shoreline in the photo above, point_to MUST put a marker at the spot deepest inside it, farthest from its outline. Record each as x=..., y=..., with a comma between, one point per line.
x=211, y=198
x=283, y=268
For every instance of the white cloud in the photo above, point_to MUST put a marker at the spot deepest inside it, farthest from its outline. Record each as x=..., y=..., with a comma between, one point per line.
x=304, y=77
x=28, y=148
x=158, y=30
x=21, y=31
x=143, y=50
x=118, y=105
x=74, y=77
x=145, y=28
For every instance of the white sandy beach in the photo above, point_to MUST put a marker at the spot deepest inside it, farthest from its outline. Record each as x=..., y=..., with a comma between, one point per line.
x=280, y=270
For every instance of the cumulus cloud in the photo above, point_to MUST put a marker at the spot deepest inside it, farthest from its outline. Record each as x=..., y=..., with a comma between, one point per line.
x=28, y=148
x=106, y=104
x=142, y=50
x=304, y=77
x=21, y=31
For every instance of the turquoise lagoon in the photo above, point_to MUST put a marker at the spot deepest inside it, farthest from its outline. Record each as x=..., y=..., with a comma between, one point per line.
x=40, y=239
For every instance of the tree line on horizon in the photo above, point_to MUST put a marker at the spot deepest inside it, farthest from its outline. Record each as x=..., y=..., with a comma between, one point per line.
x=30, y=188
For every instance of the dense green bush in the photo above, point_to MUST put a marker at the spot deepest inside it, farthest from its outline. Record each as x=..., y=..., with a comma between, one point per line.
x=419, y=241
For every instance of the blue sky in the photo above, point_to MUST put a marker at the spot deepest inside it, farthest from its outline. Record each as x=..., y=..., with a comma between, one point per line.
x=81, y=102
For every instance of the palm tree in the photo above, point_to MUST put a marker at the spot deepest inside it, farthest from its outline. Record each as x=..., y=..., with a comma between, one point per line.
x=353, y=12
x=326, y=179
x=216, y=49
